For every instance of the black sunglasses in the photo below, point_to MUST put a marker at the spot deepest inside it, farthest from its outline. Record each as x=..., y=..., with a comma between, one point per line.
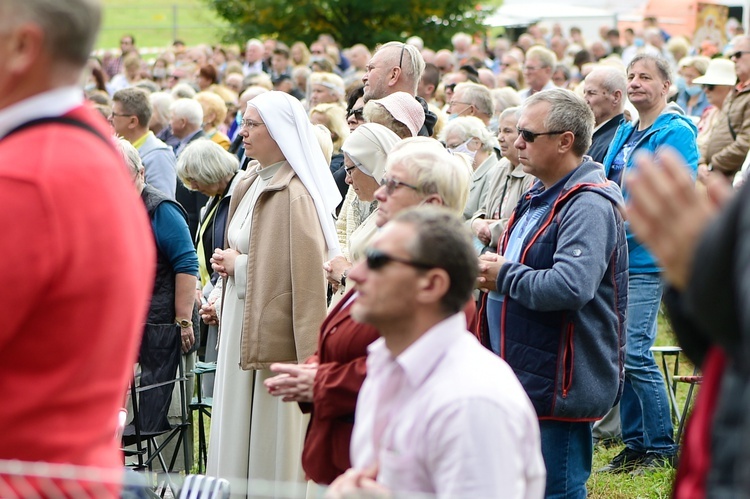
x=738, y=54
x=357, y=113
x=450, y=86
x=376, y=259
x=529, y=136
x=708, y=87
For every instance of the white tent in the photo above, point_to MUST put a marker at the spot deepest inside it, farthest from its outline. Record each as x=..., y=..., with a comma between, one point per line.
x=589, y=19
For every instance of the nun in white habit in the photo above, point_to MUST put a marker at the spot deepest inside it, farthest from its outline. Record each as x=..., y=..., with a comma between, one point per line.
x=280, y=231
x=365, y=155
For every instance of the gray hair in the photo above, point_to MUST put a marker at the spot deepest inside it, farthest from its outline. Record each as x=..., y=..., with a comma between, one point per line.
x=412, y=65
x=469, y=127
x=131, y=156
x=511, y=111
x=135, y=101
x=436, y=170
x=443, y=241
x=546, y=57
x=477, y=95
x=206, y=162
x=160, y=103
x=661, y=65
x=505, y=97
x=612, y=78
x=568, y=112
x=70, y=27
x=183, y=91
x=189, y=109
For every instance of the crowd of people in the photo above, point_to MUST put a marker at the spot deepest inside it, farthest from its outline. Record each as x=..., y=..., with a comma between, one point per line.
x=417, y=271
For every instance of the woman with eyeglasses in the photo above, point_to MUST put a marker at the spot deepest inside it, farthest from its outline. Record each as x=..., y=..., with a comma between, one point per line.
x=505, y=189
x=419, y=171
x=469, y=136
x=365, y=153
x=205, y=166
x=279, y=233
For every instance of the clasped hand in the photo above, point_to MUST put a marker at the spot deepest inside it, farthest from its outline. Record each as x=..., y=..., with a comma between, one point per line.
x=222, y=261
x=294, y=382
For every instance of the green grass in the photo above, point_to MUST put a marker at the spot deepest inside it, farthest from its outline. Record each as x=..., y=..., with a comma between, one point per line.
x=157, y=23
x=657, y=484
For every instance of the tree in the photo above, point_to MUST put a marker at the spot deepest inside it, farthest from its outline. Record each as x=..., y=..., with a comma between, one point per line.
x=350, y=21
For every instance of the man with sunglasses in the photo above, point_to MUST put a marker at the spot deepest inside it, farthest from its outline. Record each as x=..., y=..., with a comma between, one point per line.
x=555, y=310
x=434, y=397
x=729, y=141
x=397, y=67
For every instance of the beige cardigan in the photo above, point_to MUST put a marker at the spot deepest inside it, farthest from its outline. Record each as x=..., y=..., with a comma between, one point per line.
x=285, y=297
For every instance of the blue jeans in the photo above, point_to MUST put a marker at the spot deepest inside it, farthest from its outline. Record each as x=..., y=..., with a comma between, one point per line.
x=567, y=449
x=644, y=408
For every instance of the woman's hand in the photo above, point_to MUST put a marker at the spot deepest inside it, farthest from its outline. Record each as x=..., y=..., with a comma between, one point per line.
x=481, y=229
x=222, y=261
x=335, y=269
x=294, y=382
x=209, y=315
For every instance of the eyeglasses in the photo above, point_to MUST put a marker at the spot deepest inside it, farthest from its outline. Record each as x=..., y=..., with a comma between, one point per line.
x=348, y=169
x=376, y=259
x=450, y=87
x=401, y=59
x=357, y=113
x=454, y=102
x=531, y=68
x=249, y=124
x=709, y=88
x=391, y=184
x=738, y=54
x=113, y=114
x=529, y=136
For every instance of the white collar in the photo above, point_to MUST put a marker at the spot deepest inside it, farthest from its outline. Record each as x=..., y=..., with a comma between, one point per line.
x=55, y=102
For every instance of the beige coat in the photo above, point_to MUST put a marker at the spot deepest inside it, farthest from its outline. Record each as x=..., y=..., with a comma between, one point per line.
x=513, y=182
x=285, y=298
x=723, y=152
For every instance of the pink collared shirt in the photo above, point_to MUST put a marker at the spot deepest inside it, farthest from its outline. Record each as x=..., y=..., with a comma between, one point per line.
x=447, y=417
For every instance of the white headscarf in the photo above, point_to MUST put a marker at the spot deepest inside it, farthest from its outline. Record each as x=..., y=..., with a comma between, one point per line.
x=289, y=126
x=368, y=147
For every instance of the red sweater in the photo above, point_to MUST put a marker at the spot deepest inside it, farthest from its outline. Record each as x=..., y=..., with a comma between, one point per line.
x=77, y=258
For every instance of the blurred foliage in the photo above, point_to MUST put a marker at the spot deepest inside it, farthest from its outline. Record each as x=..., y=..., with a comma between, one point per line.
x=350, y=21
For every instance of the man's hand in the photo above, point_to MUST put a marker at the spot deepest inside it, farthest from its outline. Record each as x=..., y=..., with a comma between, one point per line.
x=489, y=267
x=357, y=484
x=294, y=382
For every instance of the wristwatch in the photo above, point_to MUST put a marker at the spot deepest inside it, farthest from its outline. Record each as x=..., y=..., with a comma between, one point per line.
x=343, y=278
x=184, y=323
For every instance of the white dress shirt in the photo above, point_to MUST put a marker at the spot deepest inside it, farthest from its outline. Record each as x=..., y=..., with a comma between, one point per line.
x=447, y=417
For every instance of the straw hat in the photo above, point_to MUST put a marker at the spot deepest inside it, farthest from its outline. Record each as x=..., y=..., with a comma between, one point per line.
x=719, y=72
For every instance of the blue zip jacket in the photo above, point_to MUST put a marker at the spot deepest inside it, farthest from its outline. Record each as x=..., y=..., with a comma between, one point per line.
x=562, y=324
x=671, y=129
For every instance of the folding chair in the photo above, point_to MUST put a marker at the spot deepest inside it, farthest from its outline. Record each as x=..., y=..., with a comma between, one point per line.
x=672, y=378
x=151, y=446
x=202, y=405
